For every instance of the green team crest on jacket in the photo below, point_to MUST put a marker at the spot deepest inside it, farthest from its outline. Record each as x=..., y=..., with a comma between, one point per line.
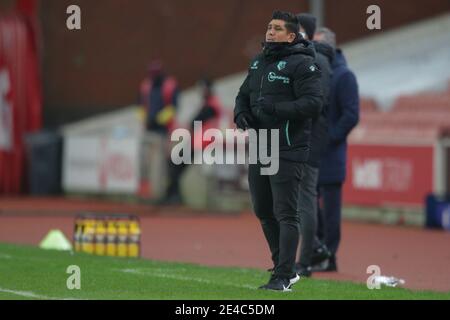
x=281, y=65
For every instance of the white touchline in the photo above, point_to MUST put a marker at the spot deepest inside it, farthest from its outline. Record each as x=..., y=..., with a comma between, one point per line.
x=184, y=278
x=29, y=294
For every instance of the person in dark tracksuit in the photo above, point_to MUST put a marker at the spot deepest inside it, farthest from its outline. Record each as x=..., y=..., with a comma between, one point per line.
x=208, y=114
x=282, y=91
x=343, y=116
x=308, y=187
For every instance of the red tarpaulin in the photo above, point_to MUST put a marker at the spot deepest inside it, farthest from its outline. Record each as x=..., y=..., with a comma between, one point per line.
x=20, y=92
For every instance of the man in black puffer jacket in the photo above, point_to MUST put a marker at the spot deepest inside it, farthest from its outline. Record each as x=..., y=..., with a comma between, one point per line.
x=283, y=92
x=319, y=141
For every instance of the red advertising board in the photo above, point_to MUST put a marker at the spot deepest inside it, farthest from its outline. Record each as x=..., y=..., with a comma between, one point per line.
x=380, y=175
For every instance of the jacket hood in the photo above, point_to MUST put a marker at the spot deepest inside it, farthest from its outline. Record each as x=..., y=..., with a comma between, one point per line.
x=277, y=50
x=325, y=49
x=339, y=59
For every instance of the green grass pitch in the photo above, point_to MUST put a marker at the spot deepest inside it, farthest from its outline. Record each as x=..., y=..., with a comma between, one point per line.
x=31, y=273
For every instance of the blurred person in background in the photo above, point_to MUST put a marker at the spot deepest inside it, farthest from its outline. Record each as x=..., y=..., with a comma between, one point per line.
x=282, y=91
x=343, y=116
x=209, y=114
x=319, y=140
x=159, y=96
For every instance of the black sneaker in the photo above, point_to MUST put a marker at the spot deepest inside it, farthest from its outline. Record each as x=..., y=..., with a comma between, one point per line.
x=278, y=284
x=320, y=254
x=303, y=271
x=328, y=265
x=293, y=280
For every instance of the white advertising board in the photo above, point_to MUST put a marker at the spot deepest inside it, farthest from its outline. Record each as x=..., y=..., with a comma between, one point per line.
x=101, y=165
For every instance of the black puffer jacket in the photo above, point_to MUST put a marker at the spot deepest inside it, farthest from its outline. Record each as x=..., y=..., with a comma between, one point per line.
x=319, y=134
x=287, y=76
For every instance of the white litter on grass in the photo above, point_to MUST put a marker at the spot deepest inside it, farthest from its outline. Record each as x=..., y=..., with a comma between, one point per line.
x=32, y=295
x=389, y=281
x=152, y=273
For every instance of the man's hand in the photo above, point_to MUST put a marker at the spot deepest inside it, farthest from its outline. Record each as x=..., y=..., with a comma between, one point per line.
x=244, y=121
x=265, y=106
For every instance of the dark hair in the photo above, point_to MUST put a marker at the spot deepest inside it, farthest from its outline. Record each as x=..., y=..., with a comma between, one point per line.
x=290, y=19
x=308, y=23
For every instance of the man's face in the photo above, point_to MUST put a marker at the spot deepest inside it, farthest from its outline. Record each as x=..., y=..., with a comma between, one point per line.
x=277, y=32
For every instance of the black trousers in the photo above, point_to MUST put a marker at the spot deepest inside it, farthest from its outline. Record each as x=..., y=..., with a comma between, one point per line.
x=329, y=226
x=275, y=200
x=175, y=173
x=308, y=214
